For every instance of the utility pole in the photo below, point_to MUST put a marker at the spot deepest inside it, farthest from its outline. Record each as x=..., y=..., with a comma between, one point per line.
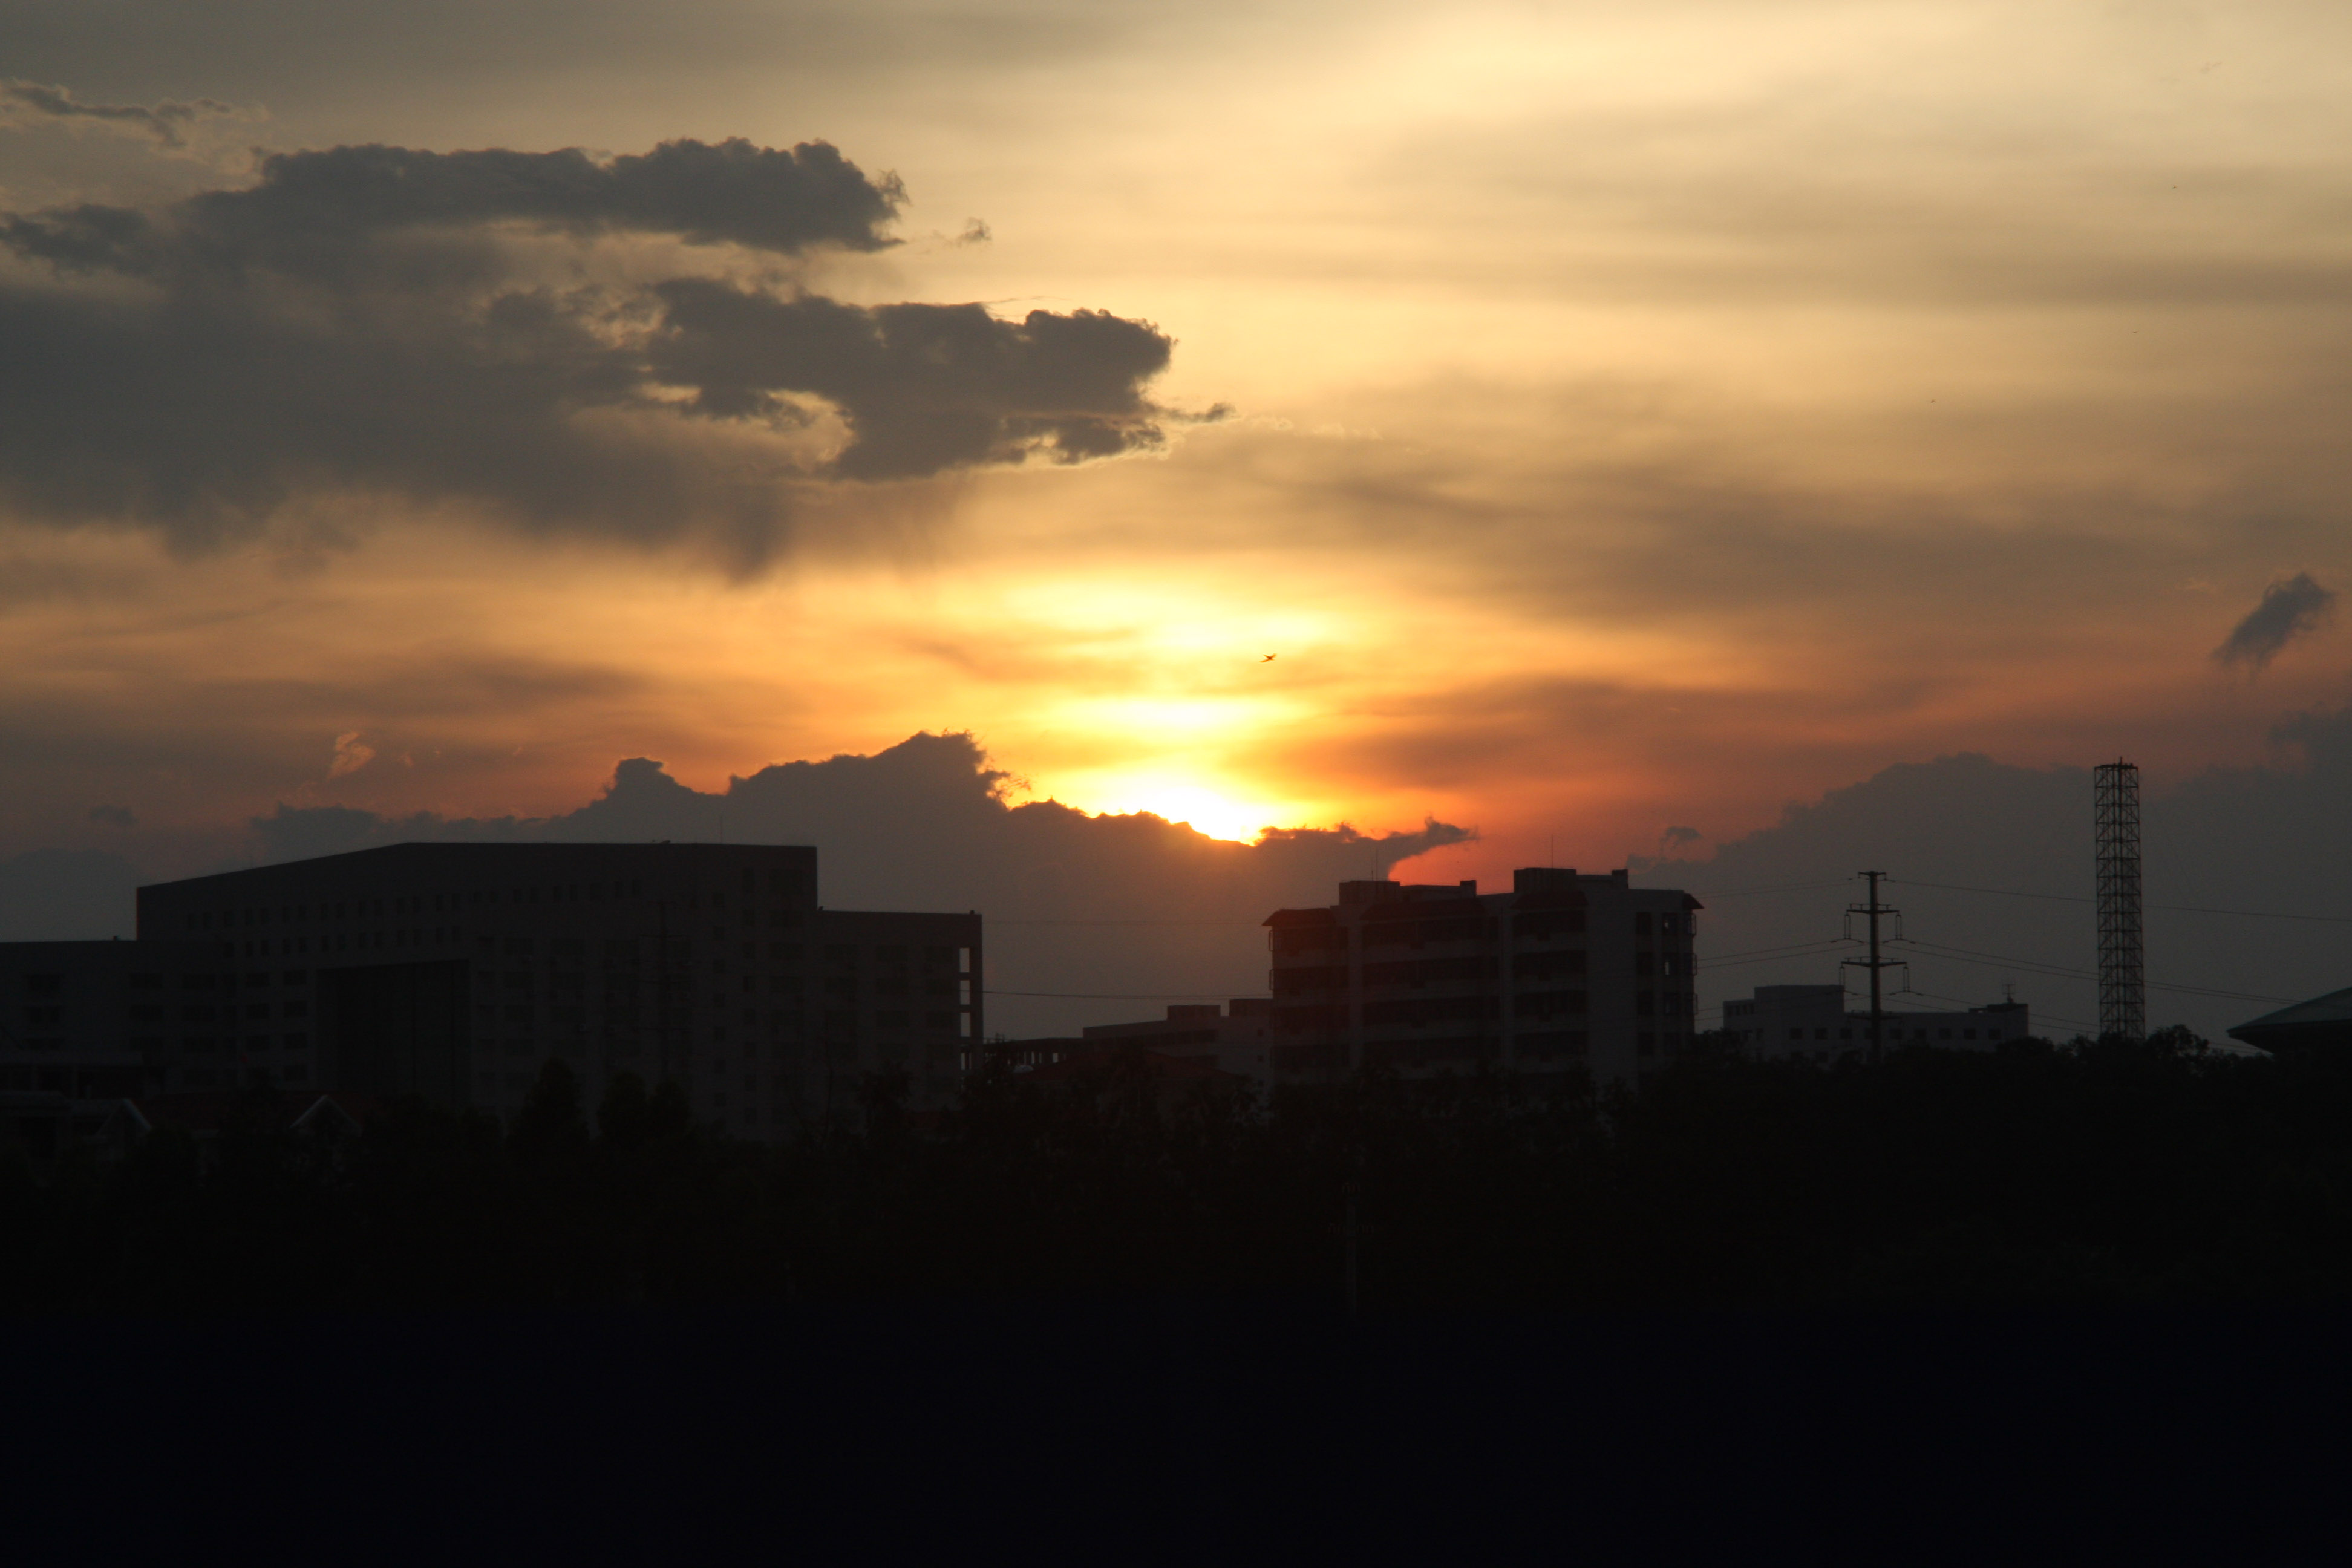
x=1876, y=964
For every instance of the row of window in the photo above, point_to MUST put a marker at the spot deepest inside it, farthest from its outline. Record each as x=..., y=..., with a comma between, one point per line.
x=1549, y=926
x=400, y=906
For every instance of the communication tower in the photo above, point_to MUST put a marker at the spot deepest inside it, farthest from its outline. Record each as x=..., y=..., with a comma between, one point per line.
x=2123, y=979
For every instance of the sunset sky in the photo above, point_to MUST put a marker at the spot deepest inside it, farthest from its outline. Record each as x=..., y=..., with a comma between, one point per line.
x=1613, y=418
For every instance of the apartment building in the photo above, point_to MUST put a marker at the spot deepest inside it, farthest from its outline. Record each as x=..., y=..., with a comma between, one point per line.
x=454, y=970
x=1812, y=1023
x=1565, y=970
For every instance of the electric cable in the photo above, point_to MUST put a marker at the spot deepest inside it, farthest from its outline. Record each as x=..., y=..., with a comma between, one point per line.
x=2169, y=908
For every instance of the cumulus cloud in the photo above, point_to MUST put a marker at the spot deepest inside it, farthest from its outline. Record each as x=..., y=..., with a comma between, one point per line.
x=1992, y=870
x=2288, y=609
x=1125, y=910
x=166, y=121
x=382, y=320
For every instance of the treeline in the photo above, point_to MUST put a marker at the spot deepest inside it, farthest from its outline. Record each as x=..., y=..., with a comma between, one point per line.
x=2102, y=1173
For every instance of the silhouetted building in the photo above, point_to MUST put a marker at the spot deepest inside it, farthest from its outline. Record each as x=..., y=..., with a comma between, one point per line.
x=1237, y=1038
x=85, y=1023
x=1106, y=1074
x=453, y=970
x=1812, y=1023
x=2323, y=1024
x=1564, y=970
x=1041, y=1051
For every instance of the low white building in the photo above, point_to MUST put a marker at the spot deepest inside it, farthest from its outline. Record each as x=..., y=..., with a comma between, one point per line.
x=1811, y=1023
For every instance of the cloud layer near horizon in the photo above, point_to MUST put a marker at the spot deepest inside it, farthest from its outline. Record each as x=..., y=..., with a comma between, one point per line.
x=1094, y=905
x=1990, y=866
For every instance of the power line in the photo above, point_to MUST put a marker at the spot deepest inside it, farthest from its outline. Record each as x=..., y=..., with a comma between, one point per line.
x=1783, y=887
x=1957, y=1002
x=2035, y=967
x=1820, y=949
x=2169, y=908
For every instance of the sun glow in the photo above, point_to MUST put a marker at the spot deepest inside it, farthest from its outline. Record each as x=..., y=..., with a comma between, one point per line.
x=1218, y=816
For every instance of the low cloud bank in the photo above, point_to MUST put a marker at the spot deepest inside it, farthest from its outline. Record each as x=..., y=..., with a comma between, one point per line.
x=1107, y=907
x=1993, y=866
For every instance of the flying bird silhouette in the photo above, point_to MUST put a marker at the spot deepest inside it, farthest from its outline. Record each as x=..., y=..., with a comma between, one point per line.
x=1268, y=659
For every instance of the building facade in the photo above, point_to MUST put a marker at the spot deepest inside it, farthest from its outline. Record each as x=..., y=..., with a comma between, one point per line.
x=1811, y=1023
x=453, y=970
x=1564, y=971
x=1237, y=1038
x=83, y=1025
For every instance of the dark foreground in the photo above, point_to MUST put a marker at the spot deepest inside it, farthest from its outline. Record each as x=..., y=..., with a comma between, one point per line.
x=2111, y=1175
x=1177, y=1432
x=1946, y=1308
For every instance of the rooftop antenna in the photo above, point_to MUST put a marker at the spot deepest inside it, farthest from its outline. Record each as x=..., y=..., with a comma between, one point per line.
x=2123, y=977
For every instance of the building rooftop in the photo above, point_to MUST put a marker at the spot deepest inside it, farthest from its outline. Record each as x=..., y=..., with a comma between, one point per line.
x=2322, y=1021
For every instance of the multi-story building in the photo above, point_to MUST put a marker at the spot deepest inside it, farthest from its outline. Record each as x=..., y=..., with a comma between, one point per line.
x=1237, y=1038
x=454, y=970
x=1564, y=970
x=1811, y=1023
x=82, y=1025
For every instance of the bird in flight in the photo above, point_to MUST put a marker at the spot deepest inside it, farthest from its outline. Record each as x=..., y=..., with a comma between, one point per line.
x=1268, y=659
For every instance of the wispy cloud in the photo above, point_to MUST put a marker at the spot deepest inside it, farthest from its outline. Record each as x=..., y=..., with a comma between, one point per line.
x=167, y=121
x=2289, y=609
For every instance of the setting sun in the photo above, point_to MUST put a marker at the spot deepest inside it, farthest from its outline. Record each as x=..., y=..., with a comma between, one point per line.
x=1218, y=816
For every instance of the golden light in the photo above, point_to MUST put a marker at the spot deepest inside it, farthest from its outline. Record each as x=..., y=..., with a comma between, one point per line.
x=1216, y=815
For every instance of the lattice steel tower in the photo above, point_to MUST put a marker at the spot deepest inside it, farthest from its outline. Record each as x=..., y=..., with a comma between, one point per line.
x=2123, y=980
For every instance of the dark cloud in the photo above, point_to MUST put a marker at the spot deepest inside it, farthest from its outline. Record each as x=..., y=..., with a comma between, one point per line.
x=114, y=816
x=361, y=319
x=2288, y=609
x=1079, y=902
x=923, y=387
x=67, y=894
x=1996, y=861
x=167, y=121
x=310, y=207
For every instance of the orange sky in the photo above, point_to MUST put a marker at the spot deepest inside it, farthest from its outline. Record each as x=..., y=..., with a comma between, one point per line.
x=1641, y=417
